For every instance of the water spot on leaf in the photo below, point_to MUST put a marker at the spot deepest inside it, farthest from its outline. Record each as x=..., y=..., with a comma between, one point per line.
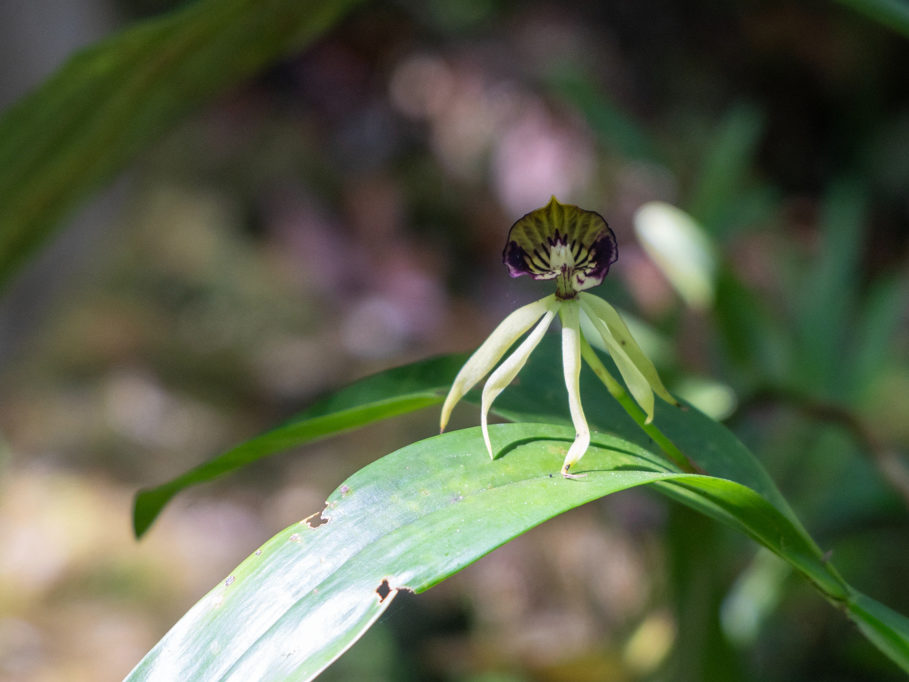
x=230, y=580
x=294, y=538
x=258, y=552
x=345, y=489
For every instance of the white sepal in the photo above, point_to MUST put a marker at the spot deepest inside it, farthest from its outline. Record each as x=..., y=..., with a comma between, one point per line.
x=637, y=383
x=620, y=332
x=492, y=349
x=508, y=370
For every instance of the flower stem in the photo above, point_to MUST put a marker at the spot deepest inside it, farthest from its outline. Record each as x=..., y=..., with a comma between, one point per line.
x=617, y=391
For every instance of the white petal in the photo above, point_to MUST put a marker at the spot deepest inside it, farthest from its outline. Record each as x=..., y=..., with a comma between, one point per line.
x=492, y=350
x=571, y=363
x=620, y=332
x=637, y=383
x=508, y=370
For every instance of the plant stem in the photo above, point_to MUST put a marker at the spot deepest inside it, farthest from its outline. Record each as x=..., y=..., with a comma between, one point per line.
x=617, y=391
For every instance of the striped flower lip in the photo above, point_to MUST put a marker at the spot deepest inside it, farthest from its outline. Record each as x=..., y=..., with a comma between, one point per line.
x=562, y=242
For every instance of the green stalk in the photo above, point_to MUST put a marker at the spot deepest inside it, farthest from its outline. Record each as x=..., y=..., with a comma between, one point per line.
x=617, y=391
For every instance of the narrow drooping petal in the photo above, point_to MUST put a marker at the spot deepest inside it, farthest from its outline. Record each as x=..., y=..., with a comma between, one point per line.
x=561, y=241
x=493, y=348
x=621, y=333
x=636, y=382
x=571, y=363
x=508, y=370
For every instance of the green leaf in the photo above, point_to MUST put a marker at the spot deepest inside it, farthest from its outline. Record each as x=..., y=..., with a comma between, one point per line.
x=113, y=99
x=884, y=627
x=413, y=518
x=538, y=396
x=383, y=395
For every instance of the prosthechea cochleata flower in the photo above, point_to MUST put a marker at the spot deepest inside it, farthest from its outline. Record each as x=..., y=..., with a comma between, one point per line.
x=575, y=248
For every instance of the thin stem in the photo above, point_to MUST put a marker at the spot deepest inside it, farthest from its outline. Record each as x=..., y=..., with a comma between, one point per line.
x=631, y=407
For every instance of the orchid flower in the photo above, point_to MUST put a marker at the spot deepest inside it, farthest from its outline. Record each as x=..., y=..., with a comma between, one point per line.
x=574, y=247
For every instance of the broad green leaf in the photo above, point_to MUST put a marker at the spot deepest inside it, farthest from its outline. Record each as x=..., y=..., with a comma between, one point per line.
x=538, y=396
x=384, y=395
x=415, y=517
x=113, y=99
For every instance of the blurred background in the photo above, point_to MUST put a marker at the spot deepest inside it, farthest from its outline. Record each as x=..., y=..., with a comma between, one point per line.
x=345, y=211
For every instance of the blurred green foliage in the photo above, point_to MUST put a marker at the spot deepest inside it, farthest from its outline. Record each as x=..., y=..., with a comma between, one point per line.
x=113, y=99
x=781, y=128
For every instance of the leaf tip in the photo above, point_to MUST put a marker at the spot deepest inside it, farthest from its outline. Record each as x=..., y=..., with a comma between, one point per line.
x=143, y=516
x=147, y=505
